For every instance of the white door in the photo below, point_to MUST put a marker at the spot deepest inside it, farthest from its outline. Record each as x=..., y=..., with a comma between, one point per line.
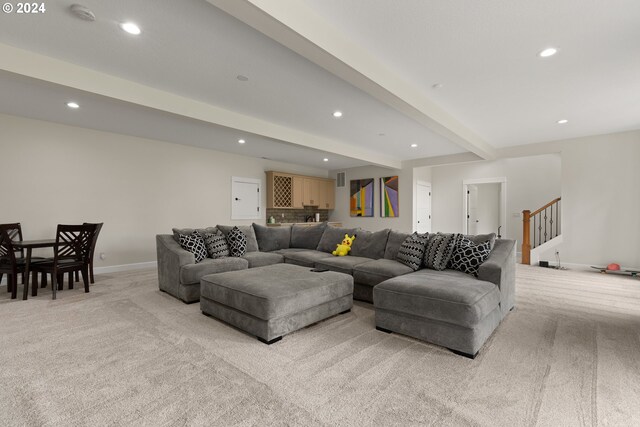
x=423, y=207
x=245, y=198
x=472, y=209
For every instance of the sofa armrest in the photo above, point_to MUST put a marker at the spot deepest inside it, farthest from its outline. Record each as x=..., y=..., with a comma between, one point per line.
x=500, y=269
x=171, y=257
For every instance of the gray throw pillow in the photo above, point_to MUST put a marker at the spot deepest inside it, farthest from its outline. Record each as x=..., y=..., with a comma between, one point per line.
x=216, y=245
x=272, y=238
x=237, y=242
x=370, y=245
x=178, y=231
x=468, y=256
x=395, y=240
x=193, y=243
x=439, y=250
x=252, y=242
x=411, y=251
x=481, y=238
x=307, y=236
x=333, y=236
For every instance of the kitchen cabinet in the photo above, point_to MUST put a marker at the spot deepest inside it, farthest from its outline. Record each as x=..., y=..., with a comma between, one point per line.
x=288, y=191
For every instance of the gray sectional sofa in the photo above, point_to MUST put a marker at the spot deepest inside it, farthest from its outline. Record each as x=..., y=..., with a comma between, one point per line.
x=449, y=308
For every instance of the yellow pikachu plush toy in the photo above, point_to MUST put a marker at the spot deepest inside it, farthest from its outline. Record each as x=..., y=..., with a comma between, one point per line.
x=344, y=248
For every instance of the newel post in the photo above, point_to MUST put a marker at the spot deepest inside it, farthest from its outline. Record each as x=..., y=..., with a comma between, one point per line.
x=526, y=238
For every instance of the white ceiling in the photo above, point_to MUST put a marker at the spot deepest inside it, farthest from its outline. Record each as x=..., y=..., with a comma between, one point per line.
x=483, y=52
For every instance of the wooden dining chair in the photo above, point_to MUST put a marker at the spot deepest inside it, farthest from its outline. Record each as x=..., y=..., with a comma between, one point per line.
x=14, y=234
x=10, y=264
x=91, y=256
x=70, y=254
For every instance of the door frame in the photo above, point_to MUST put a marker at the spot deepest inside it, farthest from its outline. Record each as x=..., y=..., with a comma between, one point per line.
x=502, y=180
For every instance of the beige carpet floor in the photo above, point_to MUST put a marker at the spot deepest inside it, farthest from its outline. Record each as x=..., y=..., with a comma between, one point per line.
x=127, y=354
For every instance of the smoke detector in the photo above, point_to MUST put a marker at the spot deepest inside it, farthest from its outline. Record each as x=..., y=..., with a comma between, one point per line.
x=82, y=12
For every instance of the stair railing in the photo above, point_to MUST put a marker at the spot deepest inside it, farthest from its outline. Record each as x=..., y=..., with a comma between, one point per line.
x=544, y=227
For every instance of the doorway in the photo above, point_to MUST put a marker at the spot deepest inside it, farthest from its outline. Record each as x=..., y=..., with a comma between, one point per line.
x=423, y=207
x=484, y=206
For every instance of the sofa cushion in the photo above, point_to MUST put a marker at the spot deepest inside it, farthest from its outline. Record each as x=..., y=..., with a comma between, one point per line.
x=481, y=238
x=306, y=236
x=447, y=296
x=178, y=231
x=332, y=237
x=260, y=259
x=467, y=256
x=411, y=252
x=393, y=244
x=373, y=272
x=192, y=273
x=289, y=251
x=306, y=258
x=195, y=244
x=272, y=238
x=341, y=264
x=439, y=250
x=237, y=241
x=216, y=244
x=370, y=245
x=252, y=243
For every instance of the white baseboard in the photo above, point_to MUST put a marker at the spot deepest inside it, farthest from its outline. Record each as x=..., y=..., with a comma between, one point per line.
x=112, y=269
x=126, y=267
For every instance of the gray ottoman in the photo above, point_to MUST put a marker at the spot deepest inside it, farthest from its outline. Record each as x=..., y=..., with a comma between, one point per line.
x=271, y=301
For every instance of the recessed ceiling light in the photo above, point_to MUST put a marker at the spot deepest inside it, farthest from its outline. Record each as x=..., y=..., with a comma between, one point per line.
x=130, y=28
x=437, y=86
x=241, y=141
x=563, y=121
x=325, y=160
x=242, y=78
x=414, y=145
x=73, y=105
x=337, y=114
x=550, y=51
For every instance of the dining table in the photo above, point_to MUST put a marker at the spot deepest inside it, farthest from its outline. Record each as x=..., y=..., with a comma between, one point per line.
x=29, y=246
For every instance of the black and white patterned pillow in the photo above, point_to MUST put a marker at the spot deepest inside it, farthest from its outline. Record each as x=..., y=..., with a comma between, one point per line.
x=411, y=251
x=439, y=250
x=237, y=242
x=193, y=243
x=467, y=256
x=216, y=244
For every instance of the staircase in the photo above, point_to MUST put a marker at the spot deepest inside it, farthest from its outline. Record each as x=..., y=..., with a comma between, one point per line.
x=541, y=231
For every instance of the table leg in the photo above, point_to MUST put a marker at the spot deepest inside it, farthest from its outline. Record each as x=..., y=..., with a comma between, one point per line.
x=27, y=261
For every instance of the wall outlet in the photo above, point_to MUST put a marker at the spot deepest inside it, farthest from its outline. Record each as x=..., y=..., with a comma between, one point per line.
x=103, y=255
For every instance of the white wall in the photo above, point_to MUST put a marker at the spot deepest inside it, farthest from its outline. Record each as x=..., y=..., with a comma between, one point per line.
x=137, y=187
x=600, y=200
x=531, y=182
x=406, y=196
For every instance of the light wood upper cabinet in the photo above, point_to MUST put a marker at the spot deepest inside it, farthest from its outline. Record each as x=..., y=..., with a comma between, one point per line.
x=327, y=194
x=311, y=192
x=296, y=191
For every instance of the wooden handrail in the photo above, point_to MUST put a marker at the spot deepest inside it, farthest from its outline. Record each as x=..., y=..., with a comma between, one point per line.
x=536, y=212
x=526, y=228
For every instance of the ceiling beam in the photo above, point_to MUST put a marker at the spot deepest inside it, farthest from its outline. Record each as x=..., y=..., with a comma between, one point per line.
x=52, y=70
x=296, y=26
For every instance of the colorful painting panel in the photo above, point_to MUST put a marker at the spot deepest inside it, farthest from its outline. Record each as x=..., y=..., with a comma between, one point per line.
x=361, y=197
x=389, y=196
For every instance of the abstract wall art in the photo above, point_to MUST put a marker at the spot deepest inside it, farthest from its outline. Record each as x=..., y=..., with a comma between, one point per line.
x=361, y=197
x=389, y=196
